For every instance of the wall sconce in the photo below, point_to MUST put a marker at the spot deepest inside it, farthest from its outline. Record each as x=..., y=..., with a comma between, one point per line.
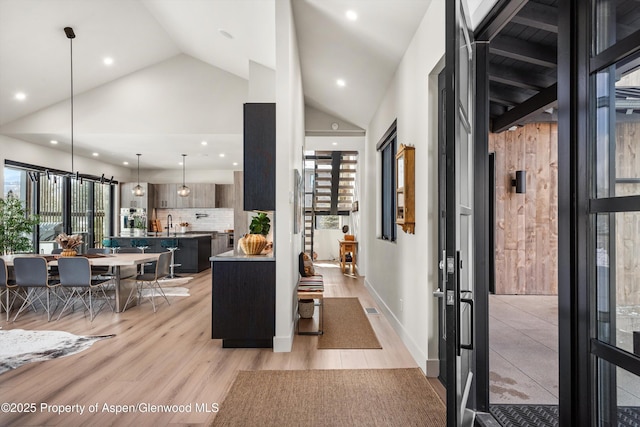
x=520, y=182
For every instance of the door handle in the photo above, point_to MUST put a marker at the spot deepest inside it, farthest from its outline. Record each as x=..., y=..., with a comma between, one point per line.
x=438, y=293
x=469, y=301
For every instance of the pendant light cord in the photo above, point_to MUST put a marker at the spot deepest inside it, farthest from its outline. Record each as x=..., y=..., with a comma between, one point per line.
x=71, y=35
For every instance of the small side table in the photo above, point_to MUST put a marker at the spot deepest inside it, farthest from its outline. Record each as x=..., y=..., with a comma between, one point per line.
x=348, y=247
x=311, y=288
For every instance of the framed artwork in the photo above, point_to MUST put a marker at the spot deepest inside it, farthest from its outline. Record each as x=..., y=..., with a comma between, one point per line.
x=298, y=190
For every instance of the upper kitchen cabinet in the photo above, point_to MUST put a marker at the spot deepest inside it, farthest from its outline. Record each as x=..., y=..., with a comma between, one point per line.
x=128, y=200
x=166, y=196
x=259, y=156
x=202, y=196
x=224, y=195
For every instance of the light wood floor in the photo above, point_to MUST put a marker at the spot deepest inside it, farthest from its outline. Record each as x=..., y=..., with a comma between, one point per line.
x=169, y=358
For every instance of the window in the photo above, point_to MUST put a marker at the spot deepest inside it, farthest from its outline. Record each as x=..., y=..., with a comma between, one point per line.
x=387, y=149
x=327, y=222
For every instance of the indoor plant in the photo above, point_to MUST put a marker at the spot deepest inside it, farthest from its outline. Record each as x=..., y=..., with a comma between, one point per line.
x=254, y=242
x=16, y=226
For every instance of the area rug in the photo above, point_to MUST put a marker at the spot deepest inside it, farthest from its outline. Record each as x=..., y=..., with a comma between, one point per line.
x=346, y=326
x=18, y=346
x=171, y=291
x=360, y=397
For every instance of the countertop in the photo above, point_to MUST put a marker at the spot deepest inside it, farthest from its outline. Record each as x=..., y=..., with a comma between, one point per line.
x=238, y=256
x=164, y=236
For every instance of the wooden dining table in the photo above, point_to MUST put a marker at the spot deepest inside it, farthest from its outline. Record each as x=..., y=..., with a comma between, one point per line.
x=109, y=260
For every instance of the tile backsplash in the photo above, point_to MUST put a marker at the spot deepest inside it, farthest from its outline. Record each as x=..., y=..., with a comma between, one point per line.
x=210, y=219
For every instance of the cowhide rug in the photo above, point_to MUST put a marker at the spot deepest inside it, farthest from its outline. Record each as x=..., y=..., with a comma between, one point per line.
x=18, y=346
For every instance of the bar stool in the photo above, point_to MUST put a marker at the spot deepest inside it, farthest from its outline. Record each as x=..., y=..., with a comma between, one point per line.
x=171, y=245
x=141, y=244
x=112, y=244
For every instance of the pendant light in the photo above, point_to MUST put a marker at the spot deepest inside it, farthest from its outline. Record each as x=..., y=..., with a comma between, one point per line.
x=138, y=190
x=184, y=190
x=71, y=35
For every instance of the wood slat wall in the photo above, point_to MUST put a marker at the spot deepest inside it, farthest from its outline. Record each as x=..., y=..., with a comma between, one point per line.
x=628, y=223
x=526, y=224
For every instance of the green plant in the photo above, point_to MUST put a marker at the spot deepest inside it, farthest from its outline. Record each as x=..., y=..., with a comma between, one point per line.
x=16, y=226
x=260, y=224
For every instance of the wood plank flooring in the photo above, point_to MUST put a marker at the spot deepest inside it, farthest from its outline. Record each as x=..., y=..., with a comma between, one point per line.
x=168, y=358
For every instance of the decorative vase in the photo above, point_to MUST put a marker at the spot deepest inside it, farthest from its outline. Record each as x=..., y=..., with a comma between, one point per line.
x=68, y=252
x=253, y=244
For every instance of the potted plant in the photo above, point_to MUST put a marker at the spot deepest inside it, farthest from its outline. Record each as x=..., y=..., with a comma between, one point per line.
x=254, y=242
x=16, y=226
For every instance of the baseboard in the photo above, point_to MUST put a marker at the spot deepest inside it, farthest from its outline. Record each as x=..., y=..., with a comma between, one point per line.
x=433, y=367
x=408, y=341
x=283, y=344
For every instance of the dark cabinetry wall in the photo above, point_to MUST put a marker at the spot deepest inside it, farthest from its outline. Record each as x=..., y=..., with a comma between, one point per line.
x=259, y=156
x=243, y=303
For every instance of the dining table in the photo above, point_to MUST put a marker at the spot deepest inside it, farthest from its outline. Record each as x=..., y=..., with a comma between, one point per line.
x=116, y=261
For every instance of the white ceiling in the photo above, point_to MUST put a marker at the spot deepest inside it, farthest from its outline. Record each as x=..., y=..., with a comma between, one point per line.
x=154, y=37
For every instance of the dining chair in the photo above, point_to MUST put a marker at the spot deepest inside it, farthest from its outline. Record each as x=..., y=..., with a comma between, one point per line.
x=32, y=274
x=5, y=288
x=149, y=281
x=76, y=281
x=99, y=271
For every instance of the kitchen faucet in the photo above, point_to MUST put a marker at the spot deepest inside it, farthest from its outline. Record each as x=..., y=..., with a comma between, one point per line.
x=169, y=223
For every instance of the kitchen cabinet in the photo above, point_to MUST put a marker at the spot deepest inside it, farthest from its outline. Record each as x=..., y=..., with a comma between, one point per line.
x=166, y=195
x=128, y=200
x=224, y=195
x=259, y=156
x=202, y=195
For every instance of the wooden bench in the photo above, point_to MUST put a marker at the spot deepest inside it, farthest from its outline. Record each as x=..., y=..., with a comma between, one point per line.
x=311, y=287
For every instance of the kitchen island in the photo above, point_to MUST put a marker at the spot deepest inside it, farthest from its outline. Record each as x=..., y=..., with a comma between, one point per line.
x=243, y=299
x=193, y=250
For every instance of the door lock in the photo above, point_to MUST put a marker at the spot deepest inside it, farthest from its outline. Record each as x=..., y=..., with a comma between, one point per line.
x=451, y=298
x=451, y=265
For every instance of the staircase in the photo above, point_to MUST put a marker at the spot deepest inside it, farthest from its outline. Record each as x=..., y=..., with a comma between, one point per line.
x=330, y=178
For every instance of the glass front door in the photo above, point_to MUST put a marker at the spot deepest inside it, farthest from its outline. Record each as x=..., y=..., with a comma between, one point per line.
x=457, y=263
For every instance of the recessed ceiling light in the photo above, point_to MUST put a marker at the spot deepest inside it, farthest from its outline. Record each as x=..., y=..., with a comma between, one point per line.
x=180, y=163
x=334, y=143
x=21, y=96
x=53, y=141
x=225, y=33
x=125, y=163
x=204, y=143
x=95, y=154
x=341, y=83
x=221, y=154
x=108, y=61
x=351, y=15
x=235, y=163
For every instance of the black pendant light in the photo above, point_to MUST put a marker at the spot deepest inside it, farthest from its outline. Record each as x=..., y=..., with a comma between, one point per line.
x=138, y=190
x=71, y=35
x=184, y=190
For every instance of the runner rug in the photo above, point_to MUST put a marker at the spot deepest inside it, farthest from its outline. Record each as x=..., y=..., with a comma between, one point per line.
x=346, y=326
x=18, y=346
x=359, y=397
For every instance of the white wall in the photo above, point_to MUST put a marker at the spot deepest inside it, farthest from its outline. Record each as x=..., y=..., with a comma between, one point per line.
x=290, y=139
x=25, y=152
x=407, y=270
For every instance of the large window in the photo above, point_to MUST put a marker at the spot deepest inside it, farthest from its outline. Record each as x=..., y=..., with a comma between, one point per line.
x=62, y=203
x=387, y=148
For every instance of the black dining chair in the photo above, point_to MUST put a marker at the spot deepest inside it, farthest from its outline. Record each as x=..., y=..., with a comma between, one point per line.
x=76, y=281
x=32, y=274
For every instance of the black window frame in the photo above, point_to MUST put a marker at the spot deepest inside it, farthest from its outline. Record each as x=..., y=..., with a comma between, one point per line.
x=388, y=147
